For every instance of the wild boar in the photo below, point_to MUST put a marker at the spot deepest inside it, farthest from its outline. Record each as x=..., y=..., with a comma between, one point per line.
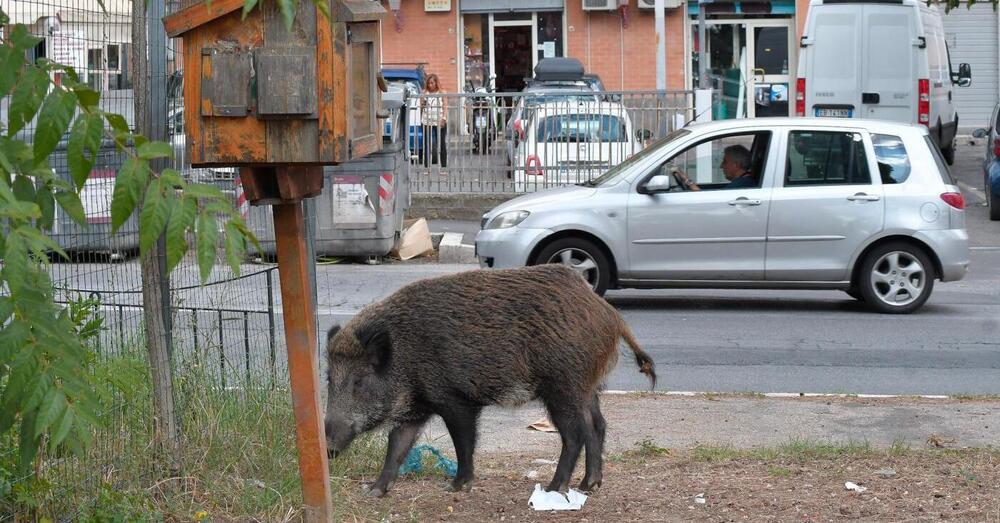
x=454, y=344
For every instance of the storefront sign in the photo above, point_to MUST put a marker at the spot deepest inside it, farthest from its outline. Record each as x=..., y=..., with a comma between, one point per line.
x=437, y=5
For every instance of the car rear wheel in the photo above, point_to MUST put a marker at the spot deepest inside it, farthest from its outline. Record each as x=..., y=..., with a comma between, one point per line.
x=582, y=256
x=896, y=278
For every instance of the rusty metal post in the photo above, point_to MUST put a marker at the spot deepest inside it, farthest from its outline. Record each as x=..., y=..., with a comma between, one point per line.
x=300, y=338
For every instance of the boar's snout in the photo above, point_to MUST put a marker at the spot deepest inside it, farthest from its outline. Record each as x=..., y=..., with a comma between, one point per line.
x=339, y=435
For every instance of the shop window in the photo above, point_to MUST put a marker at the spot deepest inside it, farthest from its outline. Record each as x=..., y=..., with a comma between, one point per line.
x=550, y=37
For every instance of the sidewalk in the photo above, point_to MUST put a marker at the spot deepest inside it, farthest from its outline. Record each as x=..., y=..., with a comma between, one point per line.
x=679, y=422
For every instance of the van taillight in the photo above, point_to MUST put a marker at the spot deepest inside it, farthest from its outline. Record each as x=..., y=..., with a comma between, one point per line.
x=103, y=173
x=924, y=101
x=800, y=97
x=955, y=199
x=533, y=167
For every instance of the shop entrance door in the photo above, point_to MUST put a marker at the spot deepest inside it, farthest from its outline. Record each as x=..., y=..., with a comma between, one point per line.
x=512, y=57
x=749, y=63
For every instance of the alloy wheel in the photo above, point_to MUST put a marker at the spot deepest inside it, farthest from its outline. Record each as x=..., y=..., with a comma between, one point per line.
x=581, y=262
x=898, y=278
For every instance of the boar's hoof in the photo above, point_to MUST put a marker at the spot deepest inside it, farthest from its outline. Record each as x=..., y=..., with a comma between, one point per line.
x=373, y=491
x=589, y=486
x=459, y=485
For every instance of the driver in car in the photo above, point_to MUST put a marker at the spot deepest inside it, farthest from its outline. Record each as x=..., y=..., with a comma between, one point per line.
x=735, y=166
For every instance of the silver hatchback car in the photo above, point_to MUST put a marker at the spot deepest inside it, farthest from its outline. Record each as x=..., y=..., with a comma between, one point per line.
x=867, y=207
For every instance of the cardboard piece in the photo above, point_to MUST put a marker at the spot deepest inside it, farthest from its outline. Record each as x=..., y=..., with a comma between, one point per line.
x=415, y=240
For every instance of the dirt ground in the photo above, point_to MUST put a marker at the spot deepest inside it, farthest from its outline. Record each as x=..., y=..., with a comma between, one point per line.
x=658, y=485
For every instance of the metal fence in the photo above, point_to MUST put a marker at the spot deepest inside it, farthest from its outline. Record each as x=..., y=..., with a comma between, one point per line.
x=520, y=142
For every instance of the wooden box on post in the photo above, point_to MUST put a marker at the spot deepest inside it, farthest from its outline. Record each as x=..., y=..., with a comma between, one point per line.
x=257, y=94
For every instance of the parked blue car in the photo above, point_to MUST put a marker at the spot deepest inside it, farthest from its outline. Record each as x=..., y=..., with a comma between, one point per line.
x=991, y=165
x=411, y=81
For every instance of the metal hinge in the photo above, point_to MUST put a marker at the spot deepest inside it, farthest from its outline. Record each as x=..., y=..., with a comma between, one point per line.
x=348, y=35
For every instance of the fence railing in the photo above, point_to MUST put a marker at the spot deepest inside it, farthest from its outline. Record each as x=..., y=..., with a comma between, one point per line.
x=522, y=142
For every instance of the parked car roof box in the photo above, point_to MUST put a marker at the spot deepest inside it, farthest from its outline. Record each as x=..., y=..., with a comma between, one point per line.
x=558, y=69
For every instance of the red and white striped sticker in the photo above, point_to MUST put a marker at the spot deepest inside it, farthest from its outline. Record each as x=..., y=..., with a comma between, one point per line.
x=242, y=204
x=385, y=194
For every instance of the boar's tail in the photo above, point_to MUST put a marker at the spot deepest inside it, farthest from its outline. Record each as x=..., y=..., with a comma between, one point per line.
x=646, y=365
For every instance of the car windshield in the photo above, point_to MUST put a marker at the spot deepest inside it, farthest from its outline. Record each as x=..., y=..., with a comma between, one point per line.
x=581, y=128
x=613, y=174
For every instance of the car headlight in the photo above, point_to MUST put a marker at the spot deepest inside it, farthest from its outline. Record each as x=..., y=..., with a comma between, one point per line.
x=507, y=219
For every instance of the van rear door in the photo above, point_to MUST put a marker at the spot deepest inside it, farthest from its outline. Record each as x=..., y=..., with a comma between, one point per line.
x=833, y=84
x=889, y=79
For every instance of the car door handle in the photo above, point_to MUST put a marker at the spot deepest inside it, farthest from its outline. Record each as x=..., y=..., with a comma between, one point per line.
x=744, y=201
x=864, y=197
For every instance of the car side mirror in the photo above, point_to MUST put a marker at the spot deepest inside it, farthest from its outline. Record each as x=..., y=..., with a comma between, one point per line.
x=964, y=77
x=980, y=133
x=659, y=183
x=643, y=134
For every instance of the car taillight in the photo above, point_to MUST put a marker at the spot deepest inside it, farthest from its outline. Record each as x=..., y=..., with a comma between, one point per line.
x=533, y=167
x=955, y=199
x=996, y=147
x=800, y=97
x=924, y=101
x=103, y=173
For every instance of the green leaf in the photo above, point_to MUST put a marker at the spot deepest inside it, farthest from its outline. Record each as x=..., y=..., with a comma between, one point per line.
x=248, y=6
x=51, y=409
x=12, y=336
x=24, y=189
x=53, y=121
x=11, y=61
x=181, y=219
x=125, y=196
x=117, y=122
x=27, y=98
x=70, y=202
x=236, y=246
x=6, y=309
x=61, y=430
x=88, y=97
x=40, y=243
x=22, y=39
x=203, y=190
x=19, y=210
x=247, y=233
x=208, y=235
x=48, y=207
x=29, y=444
x=153, y=217
x=85, y=137
x=288, y=8
x=152, y=150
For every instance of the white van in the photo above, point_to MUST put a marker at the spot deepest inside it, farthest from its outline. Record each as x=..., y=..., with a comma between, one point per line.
x=882, y=59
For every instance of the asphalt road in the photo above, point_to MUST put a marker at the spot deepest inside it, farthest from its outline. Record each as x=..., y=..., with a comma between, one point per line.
x=716, y=340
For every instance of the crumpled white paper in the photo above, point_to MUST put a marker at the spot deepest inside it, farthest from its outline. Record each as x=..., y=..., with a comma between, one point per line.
x=542, y=500
x=855, y=487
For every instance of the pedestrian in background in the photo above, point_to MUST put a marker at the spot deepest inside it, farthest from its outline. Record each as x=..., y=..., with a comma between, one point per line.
x=433, y=111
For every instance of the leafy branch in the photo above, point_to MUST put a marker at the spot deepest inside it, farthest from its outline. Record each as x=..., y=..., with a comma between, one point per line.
x=48, y=391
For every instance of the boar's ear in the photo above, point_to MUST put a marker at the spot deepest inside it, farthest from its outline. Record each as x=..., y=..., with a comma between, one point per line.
x=332, y=332
x=377, y=345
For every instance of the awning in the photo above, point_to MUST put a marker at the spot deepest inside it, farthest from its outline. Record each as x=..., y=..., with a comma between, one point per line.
x=745, y=7
x=510, y=6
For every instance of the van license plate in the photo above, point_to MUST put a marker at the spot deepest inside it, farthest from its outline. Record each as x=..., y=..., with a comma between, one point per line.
x=834, y=113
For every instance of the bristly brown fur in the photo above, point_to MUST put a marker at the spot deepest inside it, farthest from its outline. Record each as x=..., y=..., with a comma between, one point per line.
x=454, y=344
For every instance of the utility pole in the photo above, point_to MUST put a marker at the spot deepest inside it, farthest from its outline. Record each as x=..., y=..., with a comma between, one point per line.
x=661, y=46
x=702, y=43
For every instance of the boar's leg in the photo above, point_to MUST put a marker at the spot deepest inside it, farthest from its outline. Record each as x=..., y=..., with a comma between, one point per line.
x=575, y=428
x=401, y=440
x=461, y=420
x=595, y=448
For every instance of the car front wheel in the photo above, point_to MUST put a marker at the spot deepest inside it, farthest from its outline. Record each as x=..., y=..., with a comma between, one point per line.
x=582, y=256
x=896, y=278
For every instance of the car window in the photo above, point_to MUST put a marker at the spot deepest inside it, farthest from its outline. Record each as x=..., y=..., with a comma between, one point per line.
x=893, y=162
x=826, y=158
x=581, y=127
x=652, y=148
x=706, y=164
x=942, y=167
